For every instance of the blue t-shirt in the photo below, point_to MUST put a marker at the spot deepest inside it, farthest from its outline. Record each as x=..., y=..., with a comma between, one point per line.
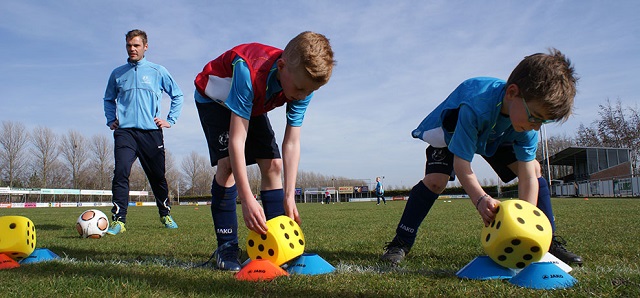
x=479, y=127
x=240, y=94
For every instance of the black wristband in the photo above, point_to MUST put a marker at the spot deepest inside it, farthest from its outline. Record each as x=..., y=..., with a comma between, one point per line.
x=482, y=197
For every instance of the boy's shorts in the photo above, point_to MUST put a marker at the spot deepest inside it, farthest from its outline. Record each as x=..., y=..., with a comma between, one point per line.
x=260, y=143
x=440, y=160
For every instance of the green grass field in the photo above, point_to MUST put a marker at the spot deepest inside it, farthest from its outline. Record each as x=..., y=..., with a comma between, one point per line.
x=150, y=261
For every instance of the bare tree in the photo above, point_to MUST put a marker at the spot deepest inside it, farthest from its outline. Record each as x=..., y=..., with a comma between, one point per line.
x=587, y=137
x=101, y=162
x=13, y=160
x=45, y=151
x=74, y=150
x=198, y=174
x=617, y=127
x=172, y=174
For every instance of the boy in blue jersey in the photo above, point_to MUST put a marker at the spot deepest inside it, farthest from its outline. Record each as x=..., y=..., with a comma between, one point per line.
x=233, y=94
x=132, y=108
x=500, y=121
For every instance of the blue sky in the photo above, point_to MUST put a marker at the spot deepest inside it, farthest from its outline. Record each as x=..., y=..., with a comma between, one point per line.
x=396, y=61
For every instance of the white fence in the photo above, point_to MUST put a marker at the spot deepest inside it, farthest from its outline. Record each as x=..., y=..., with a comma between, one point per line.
x=619, y=187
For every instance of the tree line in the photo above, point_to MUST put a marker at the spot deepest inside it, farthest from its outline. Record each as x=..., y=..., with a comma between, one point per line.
x=43, y=159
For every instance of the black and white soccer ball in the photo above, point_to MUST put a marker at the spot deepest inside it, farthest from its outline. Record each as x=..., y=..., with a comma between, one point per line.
x=92, y=224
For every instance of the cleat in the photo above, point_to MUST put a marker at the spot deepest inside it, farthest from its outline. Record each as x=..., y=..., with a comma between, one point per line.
x=559, y=251
x=228, y=256
x=116, y=228
x=168, y=222
x=395, y=251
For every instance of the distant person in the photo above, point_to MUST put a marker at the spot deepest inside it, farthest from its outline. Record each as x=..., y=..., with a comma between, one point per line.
x=500, y=121
x=233, y=94
x=327, y=197
x=380, y=191
x=132, y=108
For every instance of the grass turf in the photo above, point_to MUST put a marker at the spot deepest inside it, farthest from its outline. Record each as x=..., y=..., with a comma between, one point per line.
x=151, y=261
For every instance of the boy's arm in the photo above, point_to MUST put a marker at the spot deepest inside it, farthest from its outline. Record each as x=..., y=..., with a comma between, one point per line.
x=252, y=212
x=528, y=181
x=485, y=204
x=290, y=160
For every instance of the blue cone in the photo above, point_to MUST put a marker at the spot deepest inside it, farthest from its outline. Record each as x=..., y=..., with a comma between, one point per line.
x=543, y=276
x=310, y=264
x=39, y=255
x=484, y=268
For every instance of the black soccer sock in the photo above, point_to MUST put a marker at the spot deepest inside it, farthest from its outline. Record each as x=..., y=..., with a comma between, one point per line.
x=272, y=202
x=420, y=201
x=544, y=202
x=223, y=212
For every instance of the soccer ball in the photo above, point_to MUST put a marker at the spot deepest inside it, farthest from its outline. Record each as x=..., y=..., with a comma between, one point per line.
x=92, y=224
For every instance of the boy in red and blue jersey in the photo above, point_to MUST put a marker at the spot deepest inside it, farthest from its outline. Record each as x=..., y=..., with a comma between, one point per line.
x=233, y=94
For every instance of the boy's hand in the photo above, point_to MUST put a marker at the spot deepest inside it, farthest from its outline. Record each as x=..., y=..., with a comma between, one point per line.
x=254, y=217
x=487, y=209
x=291, y=210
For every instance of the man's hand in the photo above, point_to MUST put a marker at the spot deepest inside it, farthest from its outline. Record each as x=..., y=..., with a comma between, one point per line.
x=161, y=123
x=114, y=125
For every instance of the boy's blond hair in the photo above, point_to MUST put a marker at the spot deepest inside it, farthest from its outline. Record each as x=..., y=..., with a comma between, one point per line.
x=548, y=79
x=313, y=52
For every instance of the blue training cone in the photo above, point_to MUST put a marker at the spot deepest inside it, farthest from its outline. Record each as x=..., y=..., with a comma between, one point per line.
x=543, y=276
x=310, y=264
x=484, y=268
x=39, y=255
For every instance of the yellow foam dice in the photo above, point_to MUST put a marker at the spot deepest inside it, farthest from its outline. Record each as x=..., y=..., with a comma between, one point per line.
x=520, y=235
x=283, y=242
x=17, y=237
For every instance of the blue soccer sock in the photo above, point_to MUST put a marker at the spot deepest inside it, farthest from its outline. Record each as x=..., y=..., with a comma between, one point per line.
x=223, y=211
x=544, y=202
x=420, y=201
x=272, y=202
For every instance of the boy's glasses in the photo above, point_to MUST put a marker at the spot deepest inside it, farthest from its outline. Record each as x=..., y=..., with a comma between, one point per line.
x=534, y=119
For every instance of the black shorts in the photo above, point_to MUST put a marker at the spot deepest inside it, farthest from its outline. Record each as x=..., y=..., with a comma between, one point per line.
x=440, y=160
x=260, y=143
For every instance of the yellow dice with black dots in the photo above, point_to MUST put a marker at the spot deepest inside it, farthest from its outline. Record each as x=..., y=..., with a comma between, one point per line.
x=520, y=235
x=283, y=242
x=17, y=237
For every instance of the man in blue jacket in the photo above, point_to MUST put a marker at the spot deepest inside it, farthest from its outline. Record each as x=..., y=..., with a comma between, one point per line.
x=132, y=108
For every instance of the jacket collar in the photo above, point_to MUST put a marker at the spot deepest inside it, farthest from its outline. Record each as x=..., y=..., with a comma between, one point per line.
x=139, y=62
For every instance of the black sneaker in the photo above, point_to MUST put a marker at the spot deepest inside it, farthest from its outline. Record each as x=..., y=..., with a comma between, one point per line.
x=395, y=251
x=557, y=249
x=228, y=256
